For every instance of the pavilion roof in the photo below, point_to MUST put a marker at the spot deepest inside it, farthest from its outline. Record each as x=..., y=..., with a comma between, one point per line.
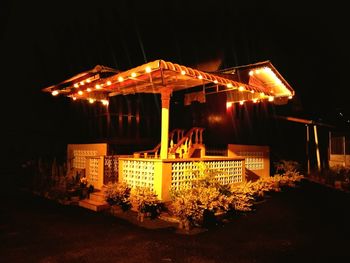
x=251, y=82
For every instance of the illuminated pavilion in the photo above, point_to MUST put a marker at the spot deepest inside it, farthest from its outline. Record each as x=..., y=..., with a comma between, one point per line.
x=171, y=163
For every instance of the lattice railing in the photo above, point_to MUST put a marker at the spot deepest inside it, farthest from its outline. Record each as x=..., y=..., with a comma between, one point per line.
x=138, y=173
x=110, y=169
x=80, y=157
x=225, y=171
x=253, y=160
x=93, y=175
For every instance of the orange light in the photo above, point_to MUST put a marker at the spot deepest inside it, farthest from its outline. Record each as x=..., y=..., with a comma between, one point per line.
x=228, y=105
x=81, y=82
x=215, y=81
x=271, y=98
x=183, y=72
x=55, y=92
x=148, y=69
x=109, y=82
x=290, y=97
x=91, y=100
x=105, y=102
x=120, y=79
x=255, y=100
x=262, y=94
x=200, y=77
x=76, y=85
x=80, y=92
x=97, y=86
x=251, y=73
x=88, y=89
x=74, y=98
x=257, y=71
x=229, y=85
x=252, y=91
x=241, y=88
x=241, y=102
x=133, y=74
x=88, y=80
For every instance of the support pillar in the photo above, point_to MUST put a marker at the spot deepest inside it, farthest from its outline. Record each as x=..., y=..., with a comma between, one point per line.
x=165, y=97
x=317, y=149
x=307, y=148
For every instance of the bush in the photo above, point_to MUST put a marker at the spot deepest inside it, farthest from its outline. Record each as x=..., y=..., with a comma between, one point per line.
x=146, y=201
x=118, y=194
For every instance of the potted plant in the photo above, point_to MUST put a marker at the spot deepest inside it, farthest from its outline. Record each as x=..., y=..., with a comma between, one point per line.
x=146, y=202
x=118, y=196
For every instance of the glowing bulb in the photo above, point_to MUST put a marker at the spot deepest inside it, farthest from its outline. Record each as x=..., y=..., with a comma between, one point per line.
x=241, y=102
x=133, y=74
x=54, y=93
x=255, y=100
x=228, y=105
x=76, y=85
x=109, y=82
x=91, y=100
x=148, y=69
x=262, y=94
x=252, y=91
x=120, y=79
x=257, y=71
x=80, y=92
x=81, y=82
x=88, y=80
x=97, y=86
x=229, y=85
x=200, y=77
x=88, y=89
x=74, y=98
x=251, y=73
x=105, y=102
x=215, y=81
x=183, y=72
x=290, y=97
x=271, y=98
x=241, y=88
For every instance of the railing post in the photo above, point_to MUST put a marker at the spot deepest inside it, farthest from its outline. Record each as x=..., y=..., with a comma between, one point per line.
x=165, y=97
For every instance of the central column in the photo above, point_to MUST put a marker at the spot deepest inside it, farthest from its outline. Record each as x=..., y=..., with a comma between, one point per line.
x=165, y=97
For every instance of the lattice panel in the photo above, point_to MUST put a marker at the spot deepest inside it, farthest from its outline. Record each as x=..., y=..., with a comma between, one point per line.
x=253, y=160
x=93, y=170
x=110, y=169
x=138, y=173
x=80, y=157
x=226, y=172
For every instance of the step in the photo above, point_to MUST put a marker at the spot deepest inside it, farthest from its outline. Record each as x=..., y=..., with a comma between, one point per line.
x=93, y=205
x=98, y=196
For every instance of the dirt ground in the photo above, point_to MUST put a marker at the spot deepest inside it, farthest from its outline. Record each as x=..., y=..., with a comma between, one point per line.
x=310, y=223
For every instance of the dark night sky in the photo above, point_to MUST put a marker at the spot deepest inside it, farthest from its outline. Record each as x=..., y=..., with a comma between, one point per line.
x=45, y=42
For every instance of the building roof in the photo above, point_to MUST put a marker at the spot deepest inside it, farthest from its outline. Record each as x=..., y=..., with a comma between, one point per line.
x=252, y=82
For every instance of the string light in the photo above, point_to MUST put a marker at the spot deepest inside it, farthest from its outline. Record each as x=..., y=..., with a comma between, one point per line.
x=216, y=82
x=76, y=85
x=200, y=77
x=97, y=86
x=91, y=100
x=252, y=91
x=82, y=83
x=290, y=97
x=105, y=102
x=255, y=100
x=228, y=105
x=133, y=74
x=271, y=98
x=109, y=82
x=241, y=88
x=262, y=94
x=183, y=72
x=241, y=102
x=251, y=73
x=80, y=92
x=120, y=79
x=88, y=90
x=74, y=98
x=229, y=85
x=55, y=92
x=148, y=69
x=88, y=80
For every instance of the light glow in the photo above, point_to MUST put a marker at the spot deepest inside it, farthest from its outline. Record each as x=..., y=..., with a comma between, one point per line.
x=229, y=85
x=215, y=81
x=251, y=73
x=271, y=98
x=241, y=102
x=109, y=82
x=105, y=102
x=74, y=98
x=200, y=77
x=80, y=92
x=76, y=85
x=255, y=100
x=91, y=100
x=82, y=83
x=241, y=88
x=88, y=80
x=148, y=69
x=120, y=79
x=88, y=90
x=290, y=97
x=133, y=74
x=183, y=72
x=97, y=86
x=55, y=92
x=228, y=105
x=252, y=91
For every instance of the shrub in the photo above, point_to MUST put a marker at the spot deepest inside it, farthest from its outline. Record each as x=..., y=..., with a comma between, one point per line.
x=118, y=194
x=146, y=201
